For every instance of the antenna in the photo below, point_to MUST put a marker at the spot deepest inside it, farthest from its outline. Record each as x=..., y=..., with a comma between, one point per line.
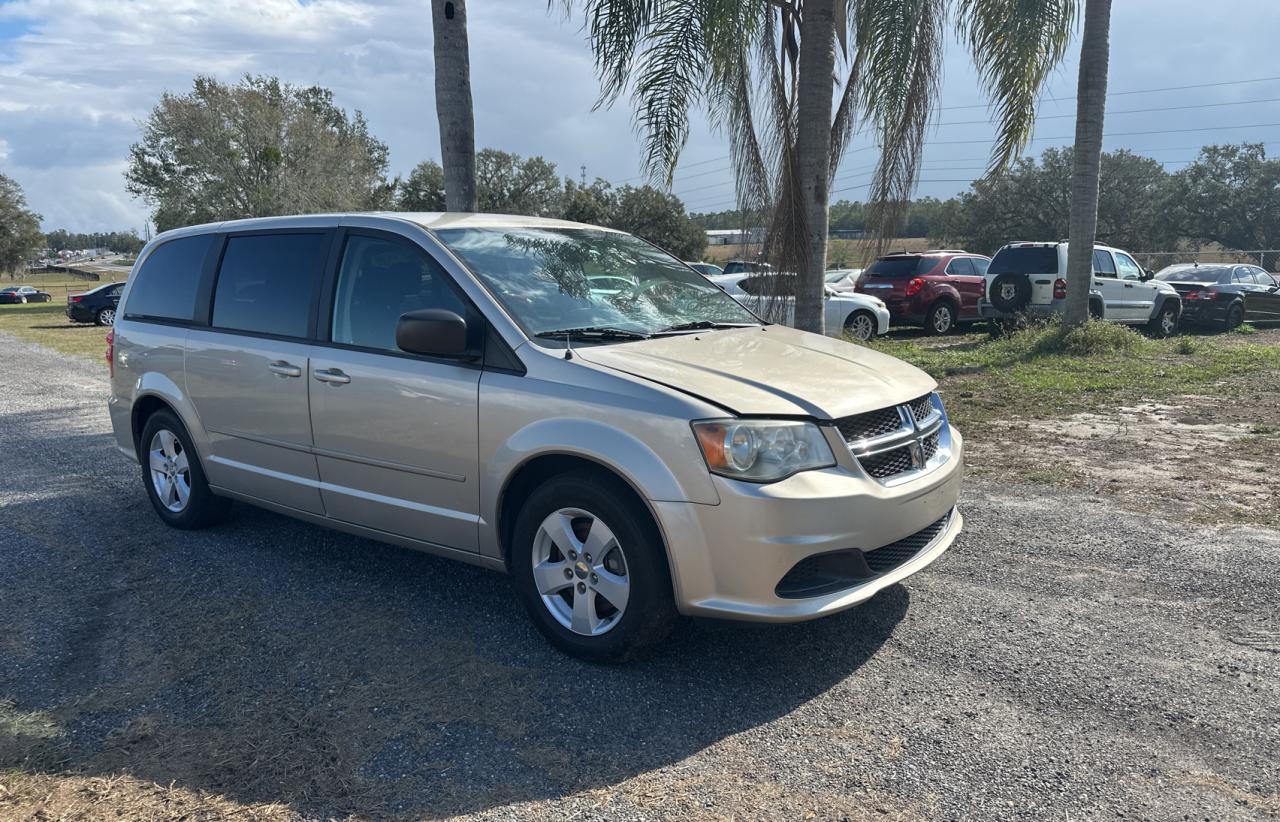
x=584, y=175
x=568, y=345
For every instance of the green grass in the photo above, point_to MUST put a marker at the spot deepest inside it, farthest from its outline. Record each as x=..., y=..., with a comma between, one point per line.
x=47, y=324
x=1047, y=371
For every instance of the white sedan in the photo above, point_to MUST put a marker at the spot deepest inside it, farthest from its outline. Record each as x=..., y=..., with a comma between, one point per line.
x=844, y=280
x=772, y=296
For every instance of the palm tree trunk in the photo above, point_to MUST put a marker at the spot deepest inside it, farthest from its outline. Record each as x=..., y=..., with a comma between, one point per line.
x=1091, y=106
x=453, y=103
x=817, y=62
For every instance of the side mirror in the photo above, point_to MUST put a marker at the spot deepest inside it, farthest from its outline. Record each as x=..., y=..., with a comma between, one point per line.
x=434, y=332
x=1147, y=274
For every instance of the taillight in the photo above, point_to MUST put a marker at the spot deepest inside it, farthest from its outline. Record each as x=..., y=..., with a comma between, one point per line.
x=1059, y=289
x=1202, y=294
x=914, y=286
x=75, y=298
x=111, y=352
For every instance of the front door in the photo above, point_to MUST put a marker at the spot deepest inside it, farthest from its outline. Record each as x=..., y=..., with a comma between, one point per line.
x=1108, y=285
x=1139, y=294
x=395, y=434
x=1261, y=296
x=246, y=373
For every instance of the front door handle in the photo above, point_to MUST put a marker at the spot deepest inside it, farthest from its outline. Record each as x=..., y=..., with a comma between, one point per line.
x=333, y=376
x=284, y=369
x=1128, y=285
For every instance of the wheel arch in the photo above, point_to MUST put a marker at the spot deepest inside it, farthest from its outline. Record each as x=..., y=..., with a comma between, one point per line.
x=541, y=468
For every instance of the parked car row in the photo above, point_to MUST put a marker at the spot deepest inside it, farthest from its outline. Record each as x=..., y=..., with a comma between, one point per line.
x=941, y=289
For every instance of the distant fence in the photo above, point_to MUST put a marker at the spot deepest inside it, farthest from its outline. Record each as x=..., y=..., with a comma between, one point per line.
x=92, y=276
x=1268, y=258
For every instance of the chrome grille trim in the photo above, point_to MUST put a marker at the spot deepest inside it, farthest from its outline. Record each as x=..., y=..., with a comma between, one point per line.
x=920, y=443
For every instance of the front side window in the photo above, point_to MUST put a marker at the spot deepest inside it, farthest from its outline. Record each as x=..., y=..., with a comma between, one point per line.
x=552, y=279
x=1129, y=270
x=980, y=265
x=960, y=267
x=266, y=283
x=380, y=279
x=165, y=286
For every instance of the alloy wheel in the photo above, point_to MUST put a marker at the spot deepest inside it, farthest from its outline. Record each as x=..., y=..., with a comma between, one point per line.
x=942, y=319
x=861, y=328
x=170, y=471
x=107, y=316
x=580, y=572
x=1168, y=323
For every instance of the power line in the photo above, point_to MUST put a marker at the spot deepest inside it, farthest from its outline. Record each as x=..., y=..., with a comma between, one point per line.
x=1137, y=91
x=1126, y=111
x=1050, y=117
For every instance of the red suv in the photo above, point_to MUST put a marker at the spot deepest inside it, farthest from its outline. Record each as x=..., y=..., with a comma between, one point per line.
x=934, y=289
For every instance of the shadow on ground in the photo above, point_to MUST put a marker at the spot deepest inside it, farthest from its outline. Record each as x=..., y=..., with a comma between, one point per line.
x=270, y=661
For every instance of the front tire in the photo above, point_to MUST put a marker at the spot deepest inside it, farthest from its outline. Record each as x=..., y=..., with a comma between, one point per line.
x=590, y=567
x=1165, y=323
x=941, y=319
x=174, y=477
x=861, y=326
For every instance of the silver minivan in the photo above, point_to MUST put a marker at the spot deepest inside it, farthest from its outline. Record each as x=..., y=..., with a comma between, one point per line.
x=565, y=403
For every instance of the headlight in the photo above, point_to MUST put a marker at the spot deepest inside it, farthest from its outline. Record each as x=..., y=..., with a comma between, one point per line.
x=762, y=450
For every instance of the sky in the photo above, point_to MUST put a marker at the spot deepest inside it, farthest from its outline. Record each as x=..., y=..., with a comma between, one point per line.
x=78, y=76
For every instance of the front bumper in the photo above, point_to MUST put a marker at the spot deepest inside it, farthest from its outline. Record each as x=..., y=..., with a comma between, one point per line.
x=882, y=321
x=729, y=559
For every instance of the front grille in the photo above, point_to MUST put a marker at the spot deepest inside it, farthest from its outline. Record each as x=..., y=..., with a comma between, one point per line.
x=872, y=424
x=887, y=463
x=929, y=447
x=890, y=442
x=921, y=408
x=827, y=573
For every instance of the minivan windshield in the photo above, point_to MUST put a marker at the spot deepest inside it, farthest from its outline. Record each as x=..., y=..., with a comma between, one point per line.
x=1025, y=260
x=558, y=279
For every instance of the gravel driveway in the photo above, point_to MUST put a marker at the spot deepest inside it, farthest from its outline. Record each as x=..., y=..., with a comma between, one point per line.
x=1065, y=660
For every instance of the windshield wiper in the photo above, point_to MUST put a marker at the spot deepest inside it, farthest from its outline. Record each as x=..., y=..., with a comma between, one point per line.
x=592, y=332
x=701, y=325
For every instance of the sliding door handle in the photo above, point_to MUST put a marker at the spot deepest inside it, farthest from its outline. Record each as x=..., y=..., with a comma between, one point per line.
x=284, y=369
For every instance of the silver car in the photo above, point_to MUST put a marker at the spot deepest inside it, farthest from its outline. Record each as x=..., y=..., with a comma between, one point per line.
x=565, y=403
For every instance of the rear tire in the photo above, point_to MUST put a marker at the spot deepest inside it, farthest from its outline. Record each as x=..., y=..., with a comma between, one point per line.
x=174, y=477
x=574, y=601
x=1234, y=318
x=861, y=326
x=1165, y=323
x=105, y=317
x=941, y=318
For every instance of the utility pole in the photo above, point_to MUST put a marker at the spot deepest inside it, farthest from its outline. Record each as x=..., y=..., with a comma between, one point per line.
x=584, y=174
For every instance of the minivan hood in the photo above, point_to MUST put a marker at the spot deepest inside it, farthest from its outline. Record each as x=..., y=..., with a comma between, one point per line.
x=770, y=370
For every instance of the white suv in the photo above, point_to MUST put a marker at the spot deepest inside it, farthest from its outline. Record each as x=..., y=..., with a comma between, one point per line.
x=772, y=296
x=1030, y=279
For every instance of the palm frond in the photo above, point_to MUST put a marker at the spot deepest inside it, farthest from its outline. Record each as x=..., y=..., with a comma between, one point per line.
x=1015, y=44
x=900, y=44
x=672, y=74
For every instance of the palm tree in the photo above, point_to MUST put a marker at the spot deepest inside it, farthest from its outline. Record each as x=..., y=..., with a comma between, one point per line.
x=765, y=72
x=453, y=103
x=1091, y=107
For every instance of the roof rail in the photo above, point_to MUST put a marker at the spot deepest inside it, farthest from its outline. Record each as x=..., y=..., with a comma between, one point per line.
x=945, y=251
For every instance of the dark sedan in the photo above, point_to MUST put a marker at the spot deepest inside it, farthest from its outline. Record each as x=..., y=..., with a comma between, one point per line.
x=1224, y=295
x=16, y=294
x=96, y=306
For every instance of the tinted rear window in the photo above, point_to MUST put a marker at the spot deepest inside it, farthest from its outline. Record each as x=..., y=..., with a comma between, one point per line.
x=898, y=266
x=166, y=285
x=1025, y=260
x=1201, y=274
x=266, y=283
